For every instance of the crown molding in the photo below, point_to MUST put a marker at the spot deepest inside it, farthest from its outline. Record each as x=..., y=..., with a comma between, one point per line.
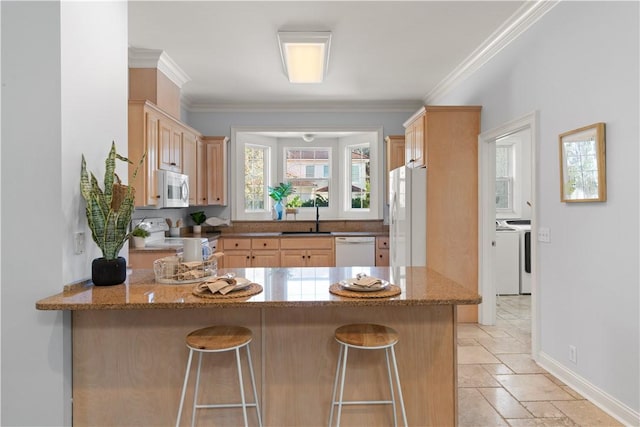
x=156, y=58
x=409, y=106
x=527, y=15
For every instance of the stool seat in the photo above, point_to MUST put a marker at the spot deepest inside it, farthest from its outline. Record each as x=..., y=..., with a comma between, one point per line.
x=214, y=339
x=367, y=335
x=219, y=338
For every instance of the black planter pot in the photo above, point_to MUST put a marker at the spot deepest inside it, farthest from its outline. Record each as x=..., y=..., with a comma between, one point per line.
x=107, y=272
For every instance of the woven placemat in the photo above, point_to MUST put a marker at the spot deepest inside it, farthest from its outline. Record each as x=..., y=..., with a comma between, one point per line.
x=252, y=289
x=390, y=291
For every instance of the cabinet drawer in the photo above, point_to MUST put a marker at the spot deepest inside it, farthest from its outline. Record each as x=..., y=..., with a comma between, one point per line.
x=382, y=242
x=307, y=243
x=228, y=244
x=266, y=243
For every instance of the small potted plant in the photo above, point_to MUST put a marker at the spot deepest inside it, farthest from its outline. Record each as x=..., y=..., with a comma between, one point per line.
x=108, y=212
x=279, y=193
x=199, y=218
x=139, y=235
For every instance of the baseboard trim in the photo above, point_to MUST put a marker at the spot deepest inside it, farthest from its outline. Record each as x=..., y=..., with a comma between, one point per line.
x=598, y=397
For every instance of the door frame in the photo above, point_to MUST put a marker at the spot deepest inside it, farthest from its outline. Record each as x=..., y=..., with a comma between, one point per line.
x=486, y=221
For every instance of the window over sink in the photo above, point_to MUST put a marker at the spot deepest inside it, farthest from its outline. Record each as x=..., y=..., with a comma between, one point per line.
x=340, y=172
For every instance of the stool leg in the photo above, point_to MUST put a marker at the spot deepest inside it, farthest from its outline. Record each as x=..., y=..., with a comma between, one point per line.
x=195, y=392
x=344, y=369
x=184, y=387
x=335, y=386
x=244, y=403
x=395, y=368
x=393, y=398
x=253, y=384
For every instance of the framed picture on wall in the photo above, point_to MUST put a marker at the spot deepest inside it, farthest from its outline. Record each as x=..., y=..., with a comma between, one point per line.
x=582, y=164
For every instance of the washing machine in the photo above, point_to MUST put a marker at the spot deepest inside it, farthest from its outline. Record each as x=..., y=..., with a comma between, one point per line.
x=524, y=228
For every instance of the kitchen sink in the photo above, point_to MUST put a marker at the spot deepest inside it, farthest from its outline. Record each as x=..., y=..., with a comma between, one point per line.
x=305, y=232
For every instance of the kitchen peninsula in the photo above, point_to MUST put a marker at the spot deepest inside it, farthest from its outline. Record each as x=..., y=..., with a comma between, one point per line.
x=129, y=353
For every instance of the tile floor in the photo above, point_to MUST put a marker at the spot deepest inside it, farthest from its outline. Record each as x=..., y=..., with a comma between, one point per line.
x=500, y=385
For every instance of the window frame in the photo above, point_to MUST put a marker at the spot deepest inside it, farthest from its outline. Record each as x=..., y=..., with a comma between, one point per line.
x=338, y=206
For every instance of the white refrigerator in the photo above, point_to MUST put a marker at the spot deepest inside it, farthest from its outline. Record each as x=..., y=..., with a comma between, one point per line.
x=408, y=217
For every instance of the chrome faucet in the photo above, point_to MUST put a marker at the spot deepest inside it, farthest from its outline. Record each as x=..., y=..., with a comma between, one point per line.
x=317, y=218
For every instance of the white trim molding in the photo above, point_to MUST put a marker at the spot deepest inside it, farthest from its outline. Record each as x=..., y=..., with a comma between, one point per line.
x=156, y=58
x=408, y=106
x=598, y=397
x=486, y=222
x=527, y=15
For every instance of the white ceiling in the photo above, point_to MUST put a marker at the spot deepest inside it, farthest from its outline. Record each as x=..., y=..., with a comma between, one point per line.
x=383, y=53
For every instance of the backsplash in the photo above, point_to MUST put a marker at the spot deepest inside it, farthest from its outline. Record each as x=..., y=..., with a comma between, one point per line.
x=279, y=226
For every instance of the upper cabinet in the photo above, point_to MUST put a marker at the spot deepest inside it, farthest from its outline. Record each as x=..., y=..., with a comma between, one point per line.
x=170, y=146
x=190, y=164
x=395, y=151
x=415, y=149
x=216, y=169
x=201, y=173
x=166, y=143
x=144, y=121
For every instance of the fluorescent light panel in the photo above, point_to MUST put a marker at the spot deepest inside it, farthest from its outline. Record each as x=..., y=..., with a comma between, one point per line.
x=305, y=55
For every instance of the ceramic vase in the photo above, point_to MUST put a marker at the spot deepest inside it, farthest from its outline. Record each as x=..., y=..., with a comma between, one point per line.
x=197, y=229
x=107, y=272
x=279, y=209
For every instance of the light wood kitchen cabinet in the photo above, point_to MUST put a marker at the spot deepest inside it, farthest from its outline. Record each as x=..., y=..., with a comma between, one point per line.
x=415, y=148
x=216, y=182
x=190, y=164
x=448, y=138
x=251, y=252
x=144, y=259
x=144, y=119
x=307, y=252
x=395, y=157
x=170, y=146
x=382, y=251
x=395, y=151
x=157, y=135
x=201, y=172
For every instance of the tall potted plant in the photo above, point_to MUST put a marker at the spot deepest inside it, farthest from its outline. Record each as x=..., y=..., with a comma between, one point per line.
x=108, y=215
x=279, y=193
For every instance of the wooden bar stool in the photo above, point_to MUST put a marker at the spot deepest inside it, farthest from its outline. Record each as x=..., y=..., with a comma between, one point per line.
x=216, y=339
x=366, y=337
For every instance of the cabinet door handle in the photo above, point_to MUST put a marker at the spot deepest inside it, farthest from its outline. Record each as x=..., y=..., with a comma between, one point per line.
x=247, y=256
x=158, y=196
x=172, y=164
x=264, y=244
x=253, y=257
x=236, y=245
x=302, y=256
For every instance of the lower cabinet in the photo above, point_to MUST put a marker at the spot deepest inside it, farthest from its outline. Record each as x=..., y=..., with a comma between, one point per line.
x=251, y=252
x=307, y=252
x=382, y=251
x=144, y=258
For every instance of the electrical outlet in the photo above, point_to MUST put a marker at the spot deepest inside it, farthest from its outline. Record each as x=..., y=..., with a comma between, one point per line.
x=544, y=235
x=79, y=242
x=573, y=354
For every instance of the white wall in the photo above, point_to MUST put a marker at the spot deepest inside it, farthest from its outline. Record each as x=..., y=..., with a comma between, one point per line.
x=64, y=92
x=578, y=66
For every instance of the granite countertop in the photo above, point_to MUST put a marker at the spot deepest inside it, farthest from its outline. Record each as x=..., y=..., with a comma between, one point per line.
x=282, y=287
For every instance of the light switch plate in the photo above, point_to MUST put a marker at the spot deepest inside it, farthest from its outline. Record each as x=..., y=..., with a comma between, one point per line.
x=79, y=242
x=544, y=234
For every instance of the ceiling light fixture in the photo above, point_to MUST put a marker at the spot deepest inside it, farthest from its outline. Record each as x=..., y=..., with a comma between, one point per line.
x=308, y=137
x=305, y=55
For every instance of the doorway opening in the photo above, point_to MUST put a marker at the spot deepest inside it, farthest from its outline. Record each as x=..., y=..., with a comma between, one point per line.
x=519, y=206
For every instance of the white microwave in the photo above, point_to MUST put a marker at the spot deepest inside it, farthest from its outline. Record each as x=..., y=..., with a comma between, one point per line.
x=173, y=188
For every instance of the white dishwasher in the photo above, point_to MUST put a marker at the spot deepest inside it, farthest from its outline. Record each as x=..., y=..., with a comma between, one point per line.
x=355, y=251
